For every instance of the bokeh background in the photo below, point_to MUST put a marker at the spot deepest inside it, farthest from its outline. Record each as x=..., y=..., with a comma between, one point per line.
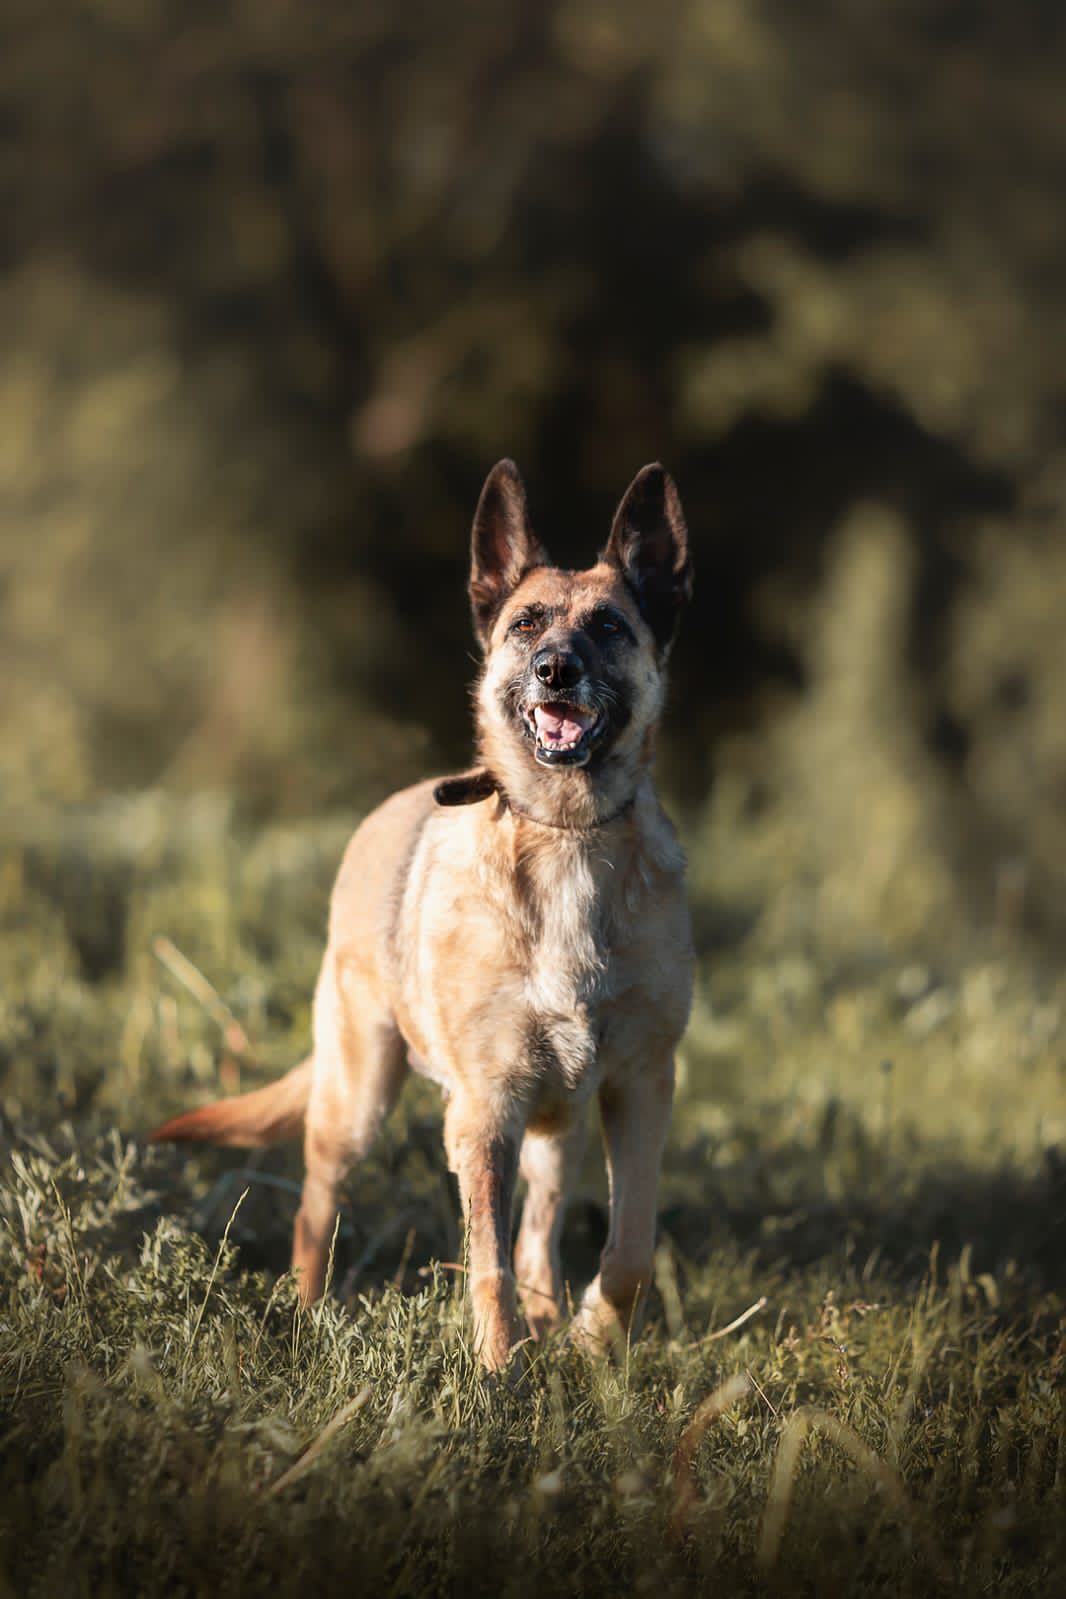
x=281, y=281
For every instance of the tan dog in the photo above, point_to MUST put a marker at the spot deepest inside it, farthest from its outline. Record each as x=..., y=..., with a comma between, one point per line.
x=519, y=934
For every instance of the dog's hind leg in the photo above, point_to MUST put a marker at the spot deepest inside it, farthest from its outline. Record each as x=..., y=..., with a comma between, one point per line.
x=635, y=1114
x=549, y=1163
x=360, y=1063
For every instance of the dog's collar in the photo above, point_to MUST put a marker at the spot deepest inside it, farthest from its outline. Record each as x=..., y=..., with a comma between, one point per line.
x=470, y=787
x=567, y=827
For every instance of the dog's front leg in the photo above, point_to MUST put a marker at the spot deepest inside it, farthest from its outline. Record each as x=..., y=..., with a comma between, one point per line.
x=482, y=1150
x=549, y=1163
x=635, y=1113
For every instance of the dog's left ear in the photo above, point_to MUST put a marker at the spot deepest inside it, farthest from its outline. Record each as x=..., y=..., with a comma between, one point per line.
x=467, y=788
x=503, y=546
x=649, y=543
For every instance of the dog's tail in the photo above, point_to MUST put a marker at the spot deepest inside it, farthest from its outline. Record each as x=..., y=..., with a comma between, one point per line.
x=267, y=1115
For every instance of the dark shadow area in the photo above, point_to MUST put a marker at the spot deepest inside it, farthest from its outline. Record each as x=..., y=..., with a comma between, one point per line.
x=402, y=1214
x=1013, y=1227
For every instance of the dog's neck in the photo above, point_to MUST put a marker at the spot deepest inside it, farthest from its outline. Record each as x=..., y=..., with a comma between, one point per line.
x=469, y=788
x=569, y=827
x=564, y=801
x=567, y=799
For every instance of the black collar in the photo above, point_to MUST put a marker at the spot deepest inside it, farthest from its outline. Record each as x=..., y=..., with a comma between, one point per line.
x=468, y=788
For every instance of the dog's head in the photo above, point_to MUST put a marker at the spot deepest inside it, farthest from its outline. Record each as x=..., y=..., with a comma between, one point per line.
x=574, y=670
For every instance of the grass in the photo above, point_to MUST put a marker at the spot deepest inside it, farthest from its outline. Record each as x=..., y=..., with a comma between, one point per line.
x=865, y=1159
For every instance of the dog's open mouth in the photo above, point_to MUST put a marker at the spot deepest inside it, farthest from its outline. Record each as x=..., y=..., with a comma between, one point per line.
x=563, y=734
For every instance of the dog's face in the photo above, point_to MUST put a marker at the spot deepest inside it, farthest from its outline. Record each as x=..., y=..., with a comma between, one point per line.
x=575, y=661
x=567, y=666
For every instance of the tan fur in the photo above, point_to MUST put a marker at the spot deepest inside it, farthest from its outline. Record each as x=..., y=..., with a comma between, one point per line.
x=530, y=952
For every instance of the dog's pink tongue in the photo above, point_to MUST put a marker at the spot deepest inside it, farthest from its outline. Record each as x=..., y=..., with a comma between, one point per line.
x=562, y=724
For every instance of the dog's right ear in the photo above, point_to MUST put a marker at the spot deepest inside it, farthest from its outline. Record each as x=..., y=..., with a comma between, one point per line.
x=503, y=546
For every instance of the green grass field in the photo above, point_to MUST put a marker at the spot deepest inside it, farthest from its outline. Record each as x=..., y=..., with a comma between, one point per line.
x=864, y=1159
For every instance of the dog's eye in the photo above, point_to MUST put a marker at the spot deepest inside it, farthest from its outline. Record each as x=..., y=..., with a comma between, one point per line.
x=606, y=625
x=523, y=624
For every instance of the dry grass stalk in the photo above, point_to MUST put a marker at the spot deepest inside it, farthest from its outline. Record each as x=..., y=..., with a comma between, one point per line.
x=193, y=980
x=738, y=1321
x=682, y=1471
x=318, y=1444
x=793, y=1436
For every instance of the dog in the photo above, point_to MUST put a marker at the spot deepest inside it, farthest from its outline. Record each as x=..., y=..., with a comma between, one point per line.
x=518, y=933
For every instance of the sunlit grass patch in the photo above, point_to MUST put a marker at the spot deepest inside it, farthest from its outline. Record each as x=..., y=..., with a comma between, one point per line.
x=173, y=1422
x=852, y=1374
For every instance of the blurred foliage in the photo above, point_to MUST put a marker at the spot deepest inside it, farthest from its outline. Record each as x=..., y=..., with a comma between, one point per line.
x=281, y=281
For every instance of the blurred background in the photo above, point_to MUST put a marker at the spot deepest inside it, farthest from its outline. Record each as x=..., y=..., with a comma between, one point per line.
x=279, y=282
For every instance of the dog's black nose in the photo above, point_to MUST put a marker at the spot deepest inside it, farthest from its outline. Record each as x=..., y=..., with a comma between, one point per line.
x=558, y=668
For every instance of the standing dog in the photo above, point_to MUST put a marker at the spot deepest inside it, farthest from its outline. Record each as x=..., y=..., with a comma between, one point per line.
x=519, y=933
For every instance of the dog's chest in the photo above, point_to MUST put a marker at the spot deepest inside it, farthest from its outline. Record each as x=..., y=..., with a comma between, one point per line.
x=568, y=979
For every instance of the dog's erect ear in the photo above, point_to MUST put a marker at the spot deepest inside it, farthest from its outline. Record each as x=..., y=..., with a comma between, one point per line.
x=649, y=543
x=503, y=546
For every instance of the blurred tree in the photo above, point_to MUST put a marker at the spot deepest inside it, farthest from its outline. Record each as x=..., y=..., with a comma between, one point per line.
x=280, y=281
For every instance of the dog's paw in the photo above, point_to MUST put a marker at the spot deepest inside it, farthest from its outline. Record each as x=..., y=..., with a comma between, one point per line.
x=497, y=1328
x=598, y=1329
